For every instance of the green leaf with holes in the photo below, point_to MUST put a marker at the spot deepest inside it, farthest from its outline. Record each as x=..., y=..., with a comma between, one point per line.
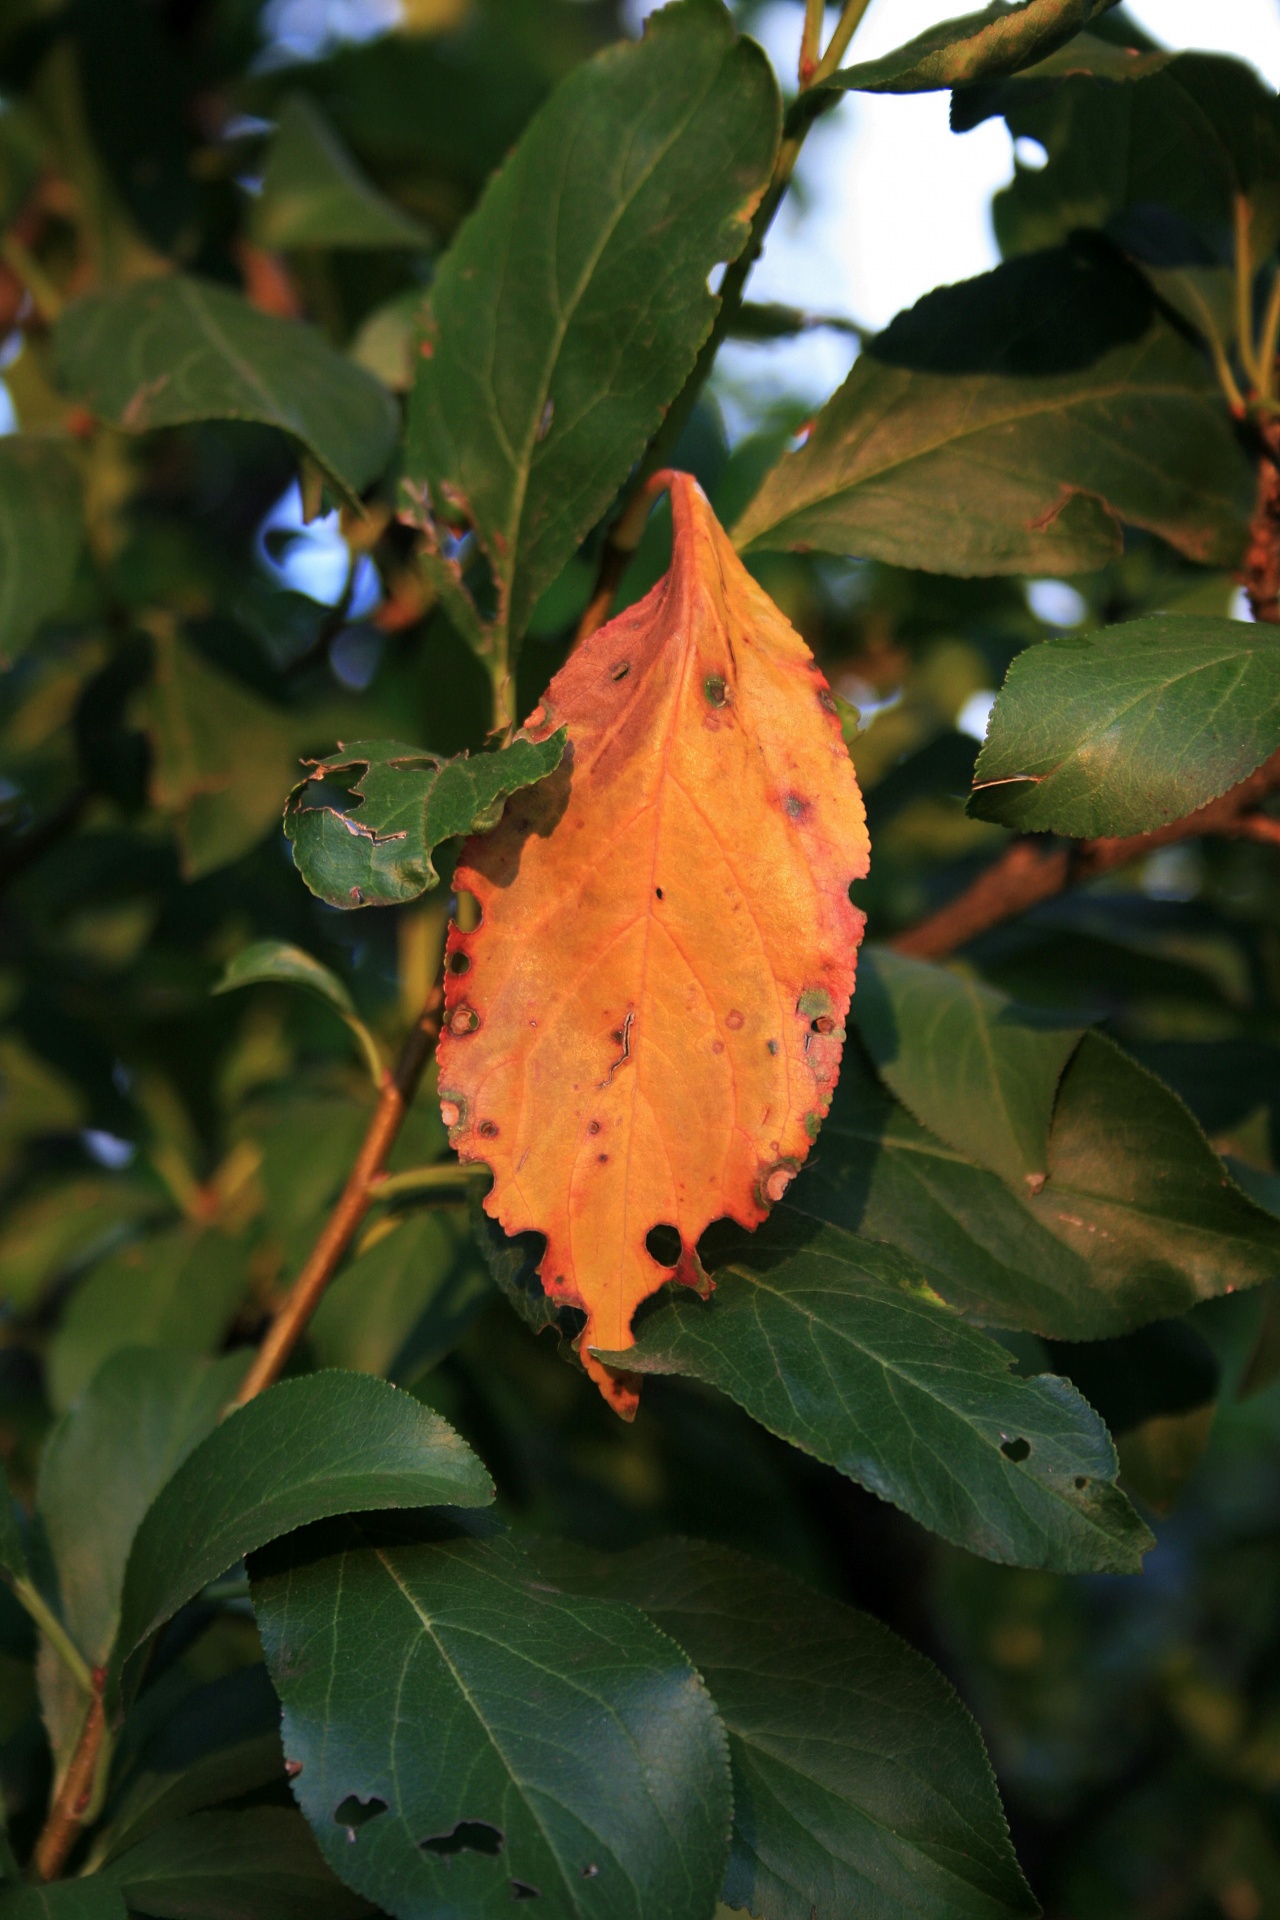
x=952, y=1048
x=168, y=352
x=860, y=1783
x=978, y=46
x=568, y=312
x=41, y=535
x=324, y=1444
x=376, y=852
x=466, y=1735
x=314, y=195
x=1129, y=728
x=843, y=1348
x=970, y=439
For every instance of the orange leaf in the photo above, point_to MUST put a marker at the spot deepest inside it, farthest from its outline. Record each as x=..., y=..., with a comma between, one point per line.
x=645, y=1028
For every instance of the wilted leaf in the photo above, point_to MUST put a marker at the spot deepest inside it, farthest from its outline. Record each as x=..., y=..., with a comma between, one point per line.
x=978, y=46
x=1124, y=730
x=1006, y=424
x=177, y=1289
x=646, y=1027
x=860, y=1783
x=166, y=352
x=569, y=310
x=41, y=534
x=223, y=760
x=841, y=1347
x=953, y=1049
x=377, y=852
x=467, y=1735
x=314, y=195
x=323, y=1444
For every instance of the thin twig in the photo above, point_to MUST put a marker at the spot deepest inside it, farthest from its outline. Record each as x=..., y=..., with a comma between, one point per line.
x=1036, y=868
x=75, y=1794
x=357, y=1197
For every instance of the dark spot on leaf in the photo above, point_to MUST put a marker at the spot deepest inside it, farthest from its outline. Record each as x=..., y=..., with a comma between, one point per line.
x=658, y=892
x=620, y=669
x=797, y=807
x=355, y=1812
x=734, y=1020
x=521, y=1890
x=602, y=1158
x=827, y=700
x=772, y=1045
x=591, y=1871
x=823, y=1024
x=717, y=1046
x=1082, y=1481
x=663, y=1244
x=469, y=1836
x=463, y=1020
x=1016, y=1450
x=489, y=1128
x=594, y=1127
x=714, y=688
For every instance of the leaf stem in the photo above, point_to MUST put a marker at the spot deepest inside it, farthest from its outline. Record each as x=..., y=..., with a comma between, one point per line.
x=447, y=1175
x=849, y=22
x=78, y=1790
x=356, y=1198
x=1269, y=343
x=48, y=300
x=810, y=40
x=33, y=1601
x=1244, y=290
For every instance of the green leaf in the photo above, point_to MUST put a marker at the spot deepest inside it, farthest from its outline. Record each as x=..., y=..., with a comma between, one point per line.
x=403, y=1302
x=41, y=534
x=1124, y=730
x=466, y=1734
x=386, y=339
x=571, y=307
x=50, y=1235
x=978, y=46
x=105, y=1461
x=1135, y=1189
x=324, y=1444
x=841, y=1347
x=377, y=852
x=314, y=195
x=952, y=1048
x=979, y=433
x=13, y=1555
x=258, y=1865
x=34, y=1097
x=222, y=759
x=167, y=352
x=1190, y=133
x=178, y=1289
x=860, y=1783
x=92, y=1899
x=276, y=962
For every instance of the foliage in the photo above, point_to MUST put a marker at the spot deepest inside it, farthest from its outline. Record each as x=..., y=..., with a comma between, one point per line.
x=983, y=1254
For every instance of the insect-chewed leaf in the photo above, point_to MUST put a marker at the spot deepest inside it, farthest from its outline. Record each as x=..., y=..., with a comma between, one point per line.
x=646, y=1027
x=378, y=853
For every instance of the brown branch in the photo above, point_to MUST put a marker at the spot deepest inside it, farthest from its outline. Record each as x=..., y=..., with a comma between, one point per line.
x=1260, y=573
x=1035, y=867
x=71, y=1803
x=357, y=1197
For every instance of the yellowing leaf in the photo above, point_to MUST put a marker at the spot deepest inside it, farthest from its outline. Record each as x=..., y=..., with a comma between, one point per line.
x=645, y=1029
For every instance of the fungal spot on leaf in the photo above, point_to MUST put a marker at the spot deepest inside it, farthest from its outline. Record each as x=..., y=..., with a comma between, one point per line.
x=620, y=669
x=771, y=1045
x=463, y=1020
x=544, y=422
x=521, y=1890
x=489, y=1128
x=1082, y=1481
x=734, y=1020
x=798, y=808
x=664, y=1245
x=593, y=1127
x=468, y=1836
x=1016, y=1450
x=658, y=892
x=823, y=1024
x=827, y=700
x=776, y=1182
x=714, y=688
x=355, y=1812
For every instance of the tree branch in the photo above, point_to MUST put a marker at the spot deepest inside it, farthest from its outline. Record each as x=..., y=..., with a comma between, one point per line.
x=1260, y=573
x=1035, y=867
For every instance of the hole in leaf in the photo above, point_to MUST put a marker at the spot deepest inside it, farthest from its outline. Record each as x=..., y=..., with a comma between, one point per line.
x=591, y=1871
x=663, y=1244
x=459, y=962
x=354, y=1812
x=1082, y=1481
x=714, y=688
x=521, y=1890
x=469, y=1836
x=1015, y=1450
